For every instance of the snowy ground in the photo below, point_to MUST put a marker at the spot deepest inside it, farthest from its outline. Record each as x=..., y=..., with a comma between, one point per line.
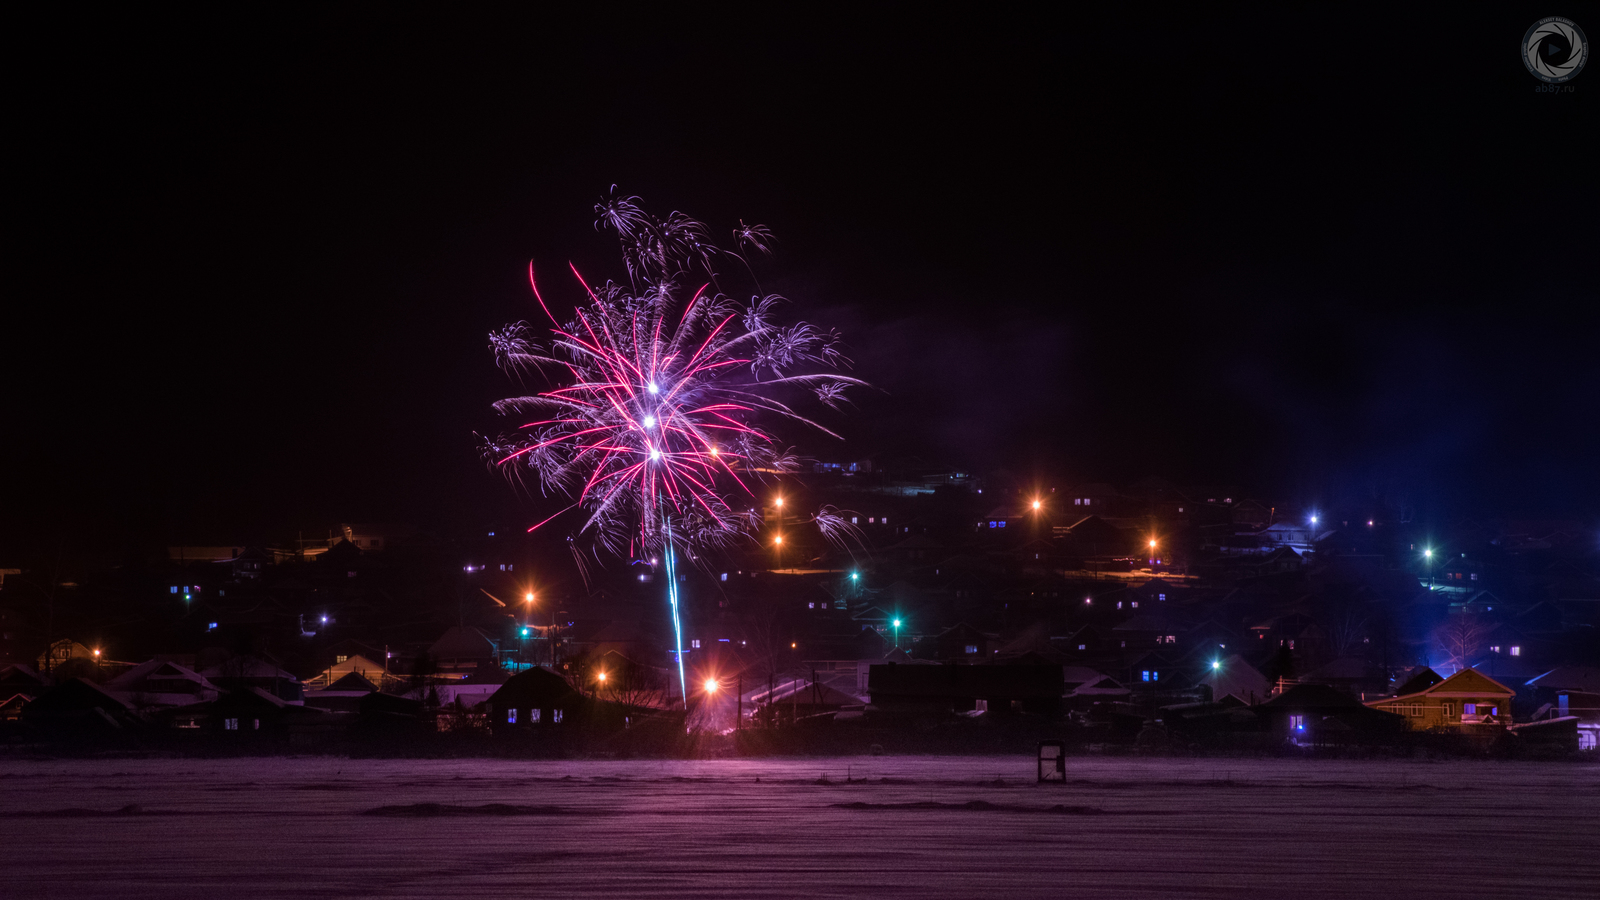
x=797, y=828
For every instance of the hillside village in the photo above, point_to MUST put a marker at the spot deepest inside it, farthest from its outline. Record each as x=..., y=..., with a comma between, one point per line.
x=1148, y=614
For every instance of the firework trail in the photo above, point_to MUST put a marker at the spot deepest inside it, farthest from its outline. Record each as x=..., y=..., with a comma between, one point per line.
x=657, y=430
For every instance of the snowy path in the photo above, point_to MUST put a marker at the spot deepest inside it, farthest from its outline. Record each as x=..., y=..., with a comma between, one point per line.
x=1132, y=828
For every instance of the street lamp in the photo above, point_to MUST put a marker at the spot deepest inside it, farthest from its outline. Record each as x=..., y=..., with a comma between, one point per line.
x=897, y=633
x=1035, y=506
x=711, y=686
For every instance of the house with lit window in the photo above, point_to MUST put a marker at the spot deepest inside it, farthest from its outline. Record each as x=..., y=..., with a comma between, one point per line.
x=1318, y=715
x=1468, y=701
x=536, y=700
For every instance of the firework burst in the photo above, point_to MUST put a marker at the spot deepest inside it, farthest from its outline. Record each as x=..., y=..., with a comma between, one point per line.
x=657, y=428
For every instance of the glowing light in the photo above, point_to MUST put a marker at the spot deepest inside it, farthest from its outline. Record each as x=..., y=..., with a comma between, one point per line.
x=778, y=502
x=655, y=455
x=1369, y=523
x=324, y=620
x=715, y=451
x=1313, y=520
x=897, y=623
x=1215, y=664
x=778, y=539
x=1428, y=554
x=602, y=676
x=654, y=389
x=649, y=421
x=793, y=645
x=1088, y=599
x=1035, y=504
x=711, y=685
x=524, y=632
x=854, y=576
x=528, y=598
x=1152, y=542
x=97, y=653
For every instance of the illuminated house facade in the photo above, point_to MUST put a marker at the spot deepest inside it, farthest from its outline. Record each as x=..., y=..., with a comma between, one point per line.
x=1467, y=701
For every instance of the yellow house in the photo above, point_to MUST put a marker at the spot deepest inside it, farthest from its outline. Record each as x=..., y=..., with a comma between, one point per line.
x=1466, y=701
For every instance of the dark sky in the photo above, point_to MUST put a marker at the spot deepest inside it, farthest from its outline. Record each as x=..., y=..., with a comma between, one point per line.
x=1320, y=253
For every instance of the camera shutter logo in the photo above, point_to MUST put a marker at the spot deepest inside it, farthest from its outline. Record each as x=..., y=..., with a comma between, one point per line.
x=1554, y=49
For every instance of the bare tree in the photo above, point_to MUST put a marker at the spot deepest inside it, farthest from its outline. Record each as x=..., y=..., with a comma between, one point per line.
x=1348, y=633
x=1461, y=637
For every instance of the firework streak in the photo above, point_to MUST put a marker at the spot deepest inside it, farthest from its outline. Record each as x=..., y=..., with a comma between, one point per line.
x=656, y=430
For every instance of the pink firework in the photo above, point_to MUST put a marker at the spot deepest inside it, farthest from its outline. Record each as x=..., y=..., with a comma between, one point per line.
x=656, y=424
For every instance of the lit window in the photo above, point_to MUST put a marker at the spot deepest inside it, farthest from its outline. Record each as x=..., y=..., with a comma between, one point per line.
x=1161, y=597
x=1119, y=604
x=811, y=605
x=1077, y=501
x=1515, y=650
x=340, y=658
x=511, y=717
x=724, y=576
x=1495, y=649
x=1297, y=724
x=972, y=648
x=871, y=519
x=855, y=520
x=1469, y=709
x=885, y=520
x=694, y=644
x=1134, y=604
x=230, y=724
x=1083, y=646
x=1146, y=674
x=555, y=716
x=533, y=717
x=174, y=589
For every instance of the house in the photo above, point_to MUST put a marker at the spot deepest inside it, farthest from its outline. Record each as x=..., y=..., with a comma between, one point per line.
x=1094, y=536
x=959, y=641
x=1314, y=714
x=162, y=683
x=19, y=685
x=1235, y=677
x=534, y=700
x=77, y=706
x=348, y=664
x=1571, y=691
x=1468, y=701
x=243, y=672
x=795, y=699
x=343, y=695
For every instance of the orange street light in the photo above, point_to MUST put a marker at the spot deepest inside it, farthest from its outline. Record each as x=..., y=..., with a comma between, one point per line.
x=1036, y=506
x=778, y=539
x=778, y=502
x=711, y=685
x=602, y=676
x=1152, y=542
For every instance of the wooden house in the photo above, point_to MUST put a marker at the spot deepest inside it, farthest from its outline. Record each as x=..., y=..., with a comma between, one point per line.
x=1466, y=701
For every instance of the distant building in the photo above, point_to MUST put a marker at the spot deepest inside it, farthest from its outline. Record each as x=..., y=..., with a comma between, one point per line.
x=1467, y=701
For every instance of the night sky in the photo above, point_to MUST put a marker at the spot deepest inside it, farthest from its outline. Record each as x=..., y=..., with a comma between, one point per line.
x=1319, y=255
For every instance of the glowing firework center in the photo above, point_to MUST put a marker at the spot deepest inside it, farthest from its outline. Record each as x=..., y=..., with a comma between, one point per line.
x=655, y=427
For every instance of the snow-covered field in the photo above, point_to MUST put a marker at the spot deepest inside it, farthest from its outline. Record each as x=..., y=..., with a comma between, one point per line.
x=859, y=826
